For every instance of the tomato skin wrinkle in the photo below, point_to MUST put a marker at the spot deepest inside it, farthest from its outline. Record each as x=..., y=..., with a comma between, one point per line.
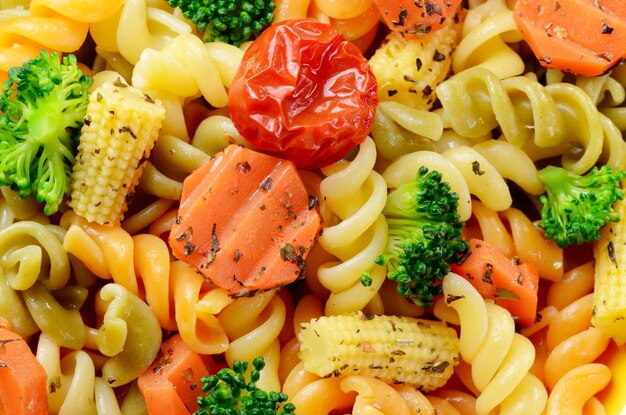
x=303, y=93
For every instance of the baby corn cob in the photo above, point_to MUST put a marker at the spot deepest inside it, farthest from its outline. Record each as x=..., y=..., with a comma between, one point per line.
x=121, y=127
x=609, y=297
x=394, y=349
x=409, y=70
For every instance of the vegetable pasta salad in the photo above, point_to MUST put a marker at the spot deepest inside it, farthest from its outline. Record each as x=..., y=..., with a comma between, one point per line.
x=312, y=207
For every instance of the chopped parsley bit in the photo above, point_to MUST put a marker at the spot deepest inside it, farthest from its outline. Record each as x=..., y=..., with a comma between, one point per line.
x=436, y=368
x=438, y=56
x=288, y=253
x=487, y=276
x=433, y=8
x=401, y=18
x=606, y=29
x=392, y=92
x=243, y=168
x=215, y=244
x=476, y=168
x=266, y=184
x=189, y=248
x=611, y=251
x=452, y=298
x=418, y=64
x=313, y=202
x=237, y=255
x=504, y=293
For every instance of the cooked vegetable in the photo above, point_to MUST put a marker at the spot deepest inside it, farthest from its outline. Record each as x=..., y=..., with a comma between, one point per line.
x=229, y=21
x=303, y=93
x=579, y=36
x=121, y=127
x=424, y=235
x=394, y=349
x=576, y=207
x=512, y=285
x=23, y=380
x=42, y=107
x=408, y=70
x=413, y=18
x=228, y=393
x=609, y=304
x=170, y=385
x=245, y=222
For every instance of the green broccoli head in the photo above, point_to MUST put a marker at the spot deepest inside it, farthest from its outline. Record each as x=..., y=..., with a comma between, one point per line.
x=575, y=207
x=230, y=21
x=228, y=393
x=42, y=107
x=424, y=236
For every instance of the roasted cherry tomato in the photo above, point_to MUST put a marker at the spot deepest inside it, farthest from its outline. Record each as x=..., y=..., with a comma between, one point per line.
x=303, y=93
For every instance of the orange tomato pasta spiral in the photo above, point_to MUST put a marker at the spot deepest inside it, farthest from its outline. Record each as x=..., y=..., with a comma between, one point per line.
x=178, y=296
x=56, y=25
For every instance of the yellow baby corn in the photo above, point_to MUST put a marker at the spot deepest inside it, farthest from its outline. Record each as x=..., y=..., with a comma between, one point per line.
x=394, y=349
x=409, y=70
x=609, y=297
x=120, y=129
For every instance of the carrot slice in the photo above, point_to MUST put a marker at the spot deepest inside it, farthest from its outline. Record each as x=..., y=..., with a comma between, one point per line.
x=171, y=385
x=23, y=380
x=417, y=18
x=245, y=222
x=513, y=286
x=585, y=37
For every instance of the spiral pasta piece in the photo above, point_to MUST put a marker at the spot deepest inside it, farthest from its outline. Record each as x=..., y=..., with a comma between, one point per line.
x=500, y=359
x=137, y=26
x=129, y=333
x=558, y=119
x=516, y=235
x=73, y=386
x=399, y=129
x=486, y=31
x=186, y=66
x=60, y=25
x=464, y=168
x=174, y=291
x=356, y=194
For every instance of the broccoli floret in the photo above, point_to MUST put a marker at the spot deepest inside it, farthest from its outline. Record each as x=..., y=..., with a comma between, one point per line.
x=424, y=236
x=575, y=207
x=42, y=107
x=228, y=393
x=230, y=21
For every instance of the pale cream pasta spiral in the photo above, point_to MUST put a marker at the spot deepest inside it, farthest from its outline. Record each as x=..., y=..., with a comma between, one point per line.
x=253, y=325
x=73, y=384
x=488, y=30
x=464, y=168
x=185, y=66
x=356, y=194
x=500, y=358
